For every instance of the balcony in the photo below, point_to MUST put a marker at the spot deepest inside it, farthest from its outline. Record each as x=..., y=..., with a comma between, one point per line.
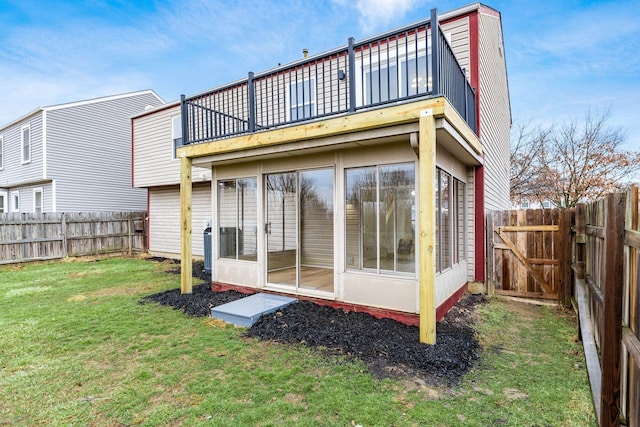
x=391, y=68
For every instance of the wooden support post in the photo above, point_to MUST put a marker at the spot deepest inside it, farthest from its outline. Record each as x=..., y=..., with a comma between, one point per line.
x=186, y=281
x=426, y=176
x=564, y=252
x=612, y=313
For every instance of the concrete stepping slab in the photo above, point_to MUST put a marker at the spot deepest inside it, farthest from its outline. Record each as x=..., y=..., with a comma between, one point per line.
x=247, y=311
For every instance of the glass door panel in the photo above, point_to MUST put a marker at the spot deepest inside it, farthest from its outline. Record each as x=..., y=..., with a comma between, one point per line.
x=316, y=229
x=281, y=228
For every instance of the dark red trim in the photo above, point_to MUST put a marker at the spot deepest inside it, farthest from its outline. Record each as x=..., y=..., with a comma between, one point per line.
x=479, y=223
x=410, y=319
x=474, y=64
x=450, y=302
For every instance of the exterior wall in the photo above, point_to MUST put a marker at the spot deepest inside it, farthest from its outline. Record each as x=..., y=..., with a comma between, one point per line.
x=164, y=219
x=495, y=113
x=153, y=157
x=458, y=31
x=27, y=196
x=14, y=173
x=89, y=153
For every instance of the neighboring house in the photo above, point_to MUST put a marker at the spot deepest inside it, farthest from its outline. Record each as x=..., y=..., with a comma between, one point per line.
x=358, y=176
x=72, y=157
x=156, y=134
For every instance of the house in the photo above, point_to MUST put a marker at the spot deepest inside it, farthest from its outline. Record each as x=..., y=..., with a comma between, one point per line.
x=72, y=157
x=156, y=133
x=359, y=176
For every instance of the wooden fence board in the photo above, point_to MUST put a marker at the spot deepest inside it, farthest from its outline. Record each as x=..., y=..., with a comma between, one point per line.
x=29, y=237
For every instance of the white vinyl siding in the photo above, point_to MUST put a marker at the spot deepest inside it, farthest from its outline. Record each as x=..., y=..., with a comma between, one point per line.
x=495, y=114
x=1, y=152
x=89, y=153
x=164, y=219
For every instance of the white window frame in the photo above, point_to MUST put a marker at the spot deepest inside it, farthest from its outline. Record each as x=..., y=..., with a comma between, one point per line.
x=22, y=145
x=4, y=202
x=313, y=103
x=15, y=201
x=1, y=152
x=38, y=190
x=176, y=124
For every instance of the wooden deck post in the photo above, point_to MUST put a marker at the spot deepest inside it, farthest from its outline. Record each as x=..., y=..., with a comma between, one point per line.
x=186, y=281
x=612, y=313
x=427, y=275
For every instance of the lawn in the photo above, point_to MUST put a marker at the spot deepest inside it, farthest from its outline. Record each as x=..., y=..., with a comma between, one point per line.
x=77, y=348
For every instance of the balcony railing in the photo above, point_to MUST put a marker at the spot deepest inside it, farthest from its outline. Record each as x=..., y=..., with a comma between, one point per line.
x=389, y=68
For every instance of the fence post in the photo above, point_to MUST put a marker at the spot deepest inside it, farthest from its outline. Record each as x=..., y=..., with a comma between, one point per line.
x=564, y=247
x=63, y=228
x=612, y=310
x=581, y=240
x=129, y=226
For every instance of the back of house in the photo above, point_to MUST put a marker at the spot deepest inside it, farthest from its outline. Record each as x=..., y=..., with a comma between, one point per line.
x=358, y=176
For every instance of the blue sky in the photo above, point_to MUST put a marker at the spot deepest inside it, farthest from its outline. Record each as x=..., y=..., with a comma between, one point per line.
x=563, y=57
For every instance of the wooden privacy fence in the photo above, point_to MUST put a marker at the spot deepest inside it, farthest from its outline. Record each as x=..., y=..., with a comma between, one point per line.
x=606, y=252
x=528, y=253
x=31, y=237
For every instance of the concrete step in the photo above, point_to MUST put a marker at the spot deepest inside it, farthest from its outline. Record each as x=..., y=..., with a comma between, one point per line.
x=247, y=311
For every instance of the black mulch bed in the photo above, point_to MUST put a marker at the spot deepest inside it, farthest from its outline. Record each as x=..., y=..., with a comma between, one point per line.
x=387, y=347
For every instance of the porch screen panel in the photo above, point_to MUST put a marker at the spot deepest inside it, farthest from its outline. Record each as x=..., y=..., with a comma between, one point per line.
x=445, y=220
x=238, y=219
x=227, y=216
x=316, y=218
x=380, y=218
x=461, y=239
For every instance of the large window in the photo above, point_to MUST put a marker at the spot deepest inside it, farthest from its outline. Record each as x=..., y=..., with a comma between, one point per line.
x=238, y=219
x=176, y=133
x=450, y=220
x=3, y=202
x=380, y=218
x=26, y=144
x=302, y=99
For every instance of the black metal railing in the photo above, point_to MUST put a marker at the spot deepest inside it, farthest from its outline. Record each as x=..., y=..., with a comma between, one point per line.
x=387, y=68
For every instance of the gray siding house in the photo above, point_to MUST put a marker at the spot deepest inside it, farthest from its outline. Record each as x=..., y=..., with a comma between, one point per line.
x=72, y=157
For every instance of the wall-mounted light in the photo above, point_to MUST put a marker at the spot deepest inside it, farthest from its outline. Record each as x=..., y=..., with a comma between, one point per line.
x=341, y=75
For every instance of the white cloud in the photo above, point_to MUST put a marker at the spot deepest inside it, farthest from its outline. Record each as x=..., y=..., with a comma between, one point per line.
x=376, y=14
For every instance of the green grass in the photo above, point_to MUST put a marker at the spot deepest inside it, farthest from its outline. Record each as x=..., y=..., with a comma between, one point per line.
x=76, y=348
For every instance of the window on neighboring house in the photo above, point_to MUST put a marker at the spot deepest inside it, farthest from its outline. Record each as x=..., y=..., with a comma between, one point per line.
x=546, y=204
x=176, y=133
x=15, y=201
x=1, y=153
x=524, y=205
x=26, y=144
x=3, y=202
x=380, y=218
x=37, y=200
x=238, y=219
x=302, y=99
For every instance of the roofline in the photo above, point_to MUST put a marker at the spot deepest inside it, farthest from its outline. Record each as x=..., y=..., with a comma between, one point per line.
x=157, y=109
x=80, y=103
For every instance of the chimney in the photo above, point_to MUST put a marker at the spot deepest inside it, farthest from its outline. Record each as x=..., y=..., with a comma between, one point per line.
x=305, y=52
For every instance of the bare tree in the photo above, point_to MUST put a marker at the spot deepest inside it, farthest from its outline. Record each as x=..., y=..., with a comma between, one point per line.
x=571, y=163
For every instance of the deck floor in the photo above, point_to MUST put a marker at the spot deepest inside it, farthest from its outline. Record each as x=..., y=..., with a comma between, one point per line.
x=314, y=278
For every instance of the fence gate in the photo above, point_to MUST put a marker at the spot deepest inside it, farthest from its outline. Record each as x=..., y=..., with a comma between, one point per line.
x=529, y=253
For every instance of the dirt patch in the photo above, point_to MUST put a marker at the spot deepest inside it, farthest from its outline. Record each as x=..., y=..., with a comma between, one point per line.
x=388, y=348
